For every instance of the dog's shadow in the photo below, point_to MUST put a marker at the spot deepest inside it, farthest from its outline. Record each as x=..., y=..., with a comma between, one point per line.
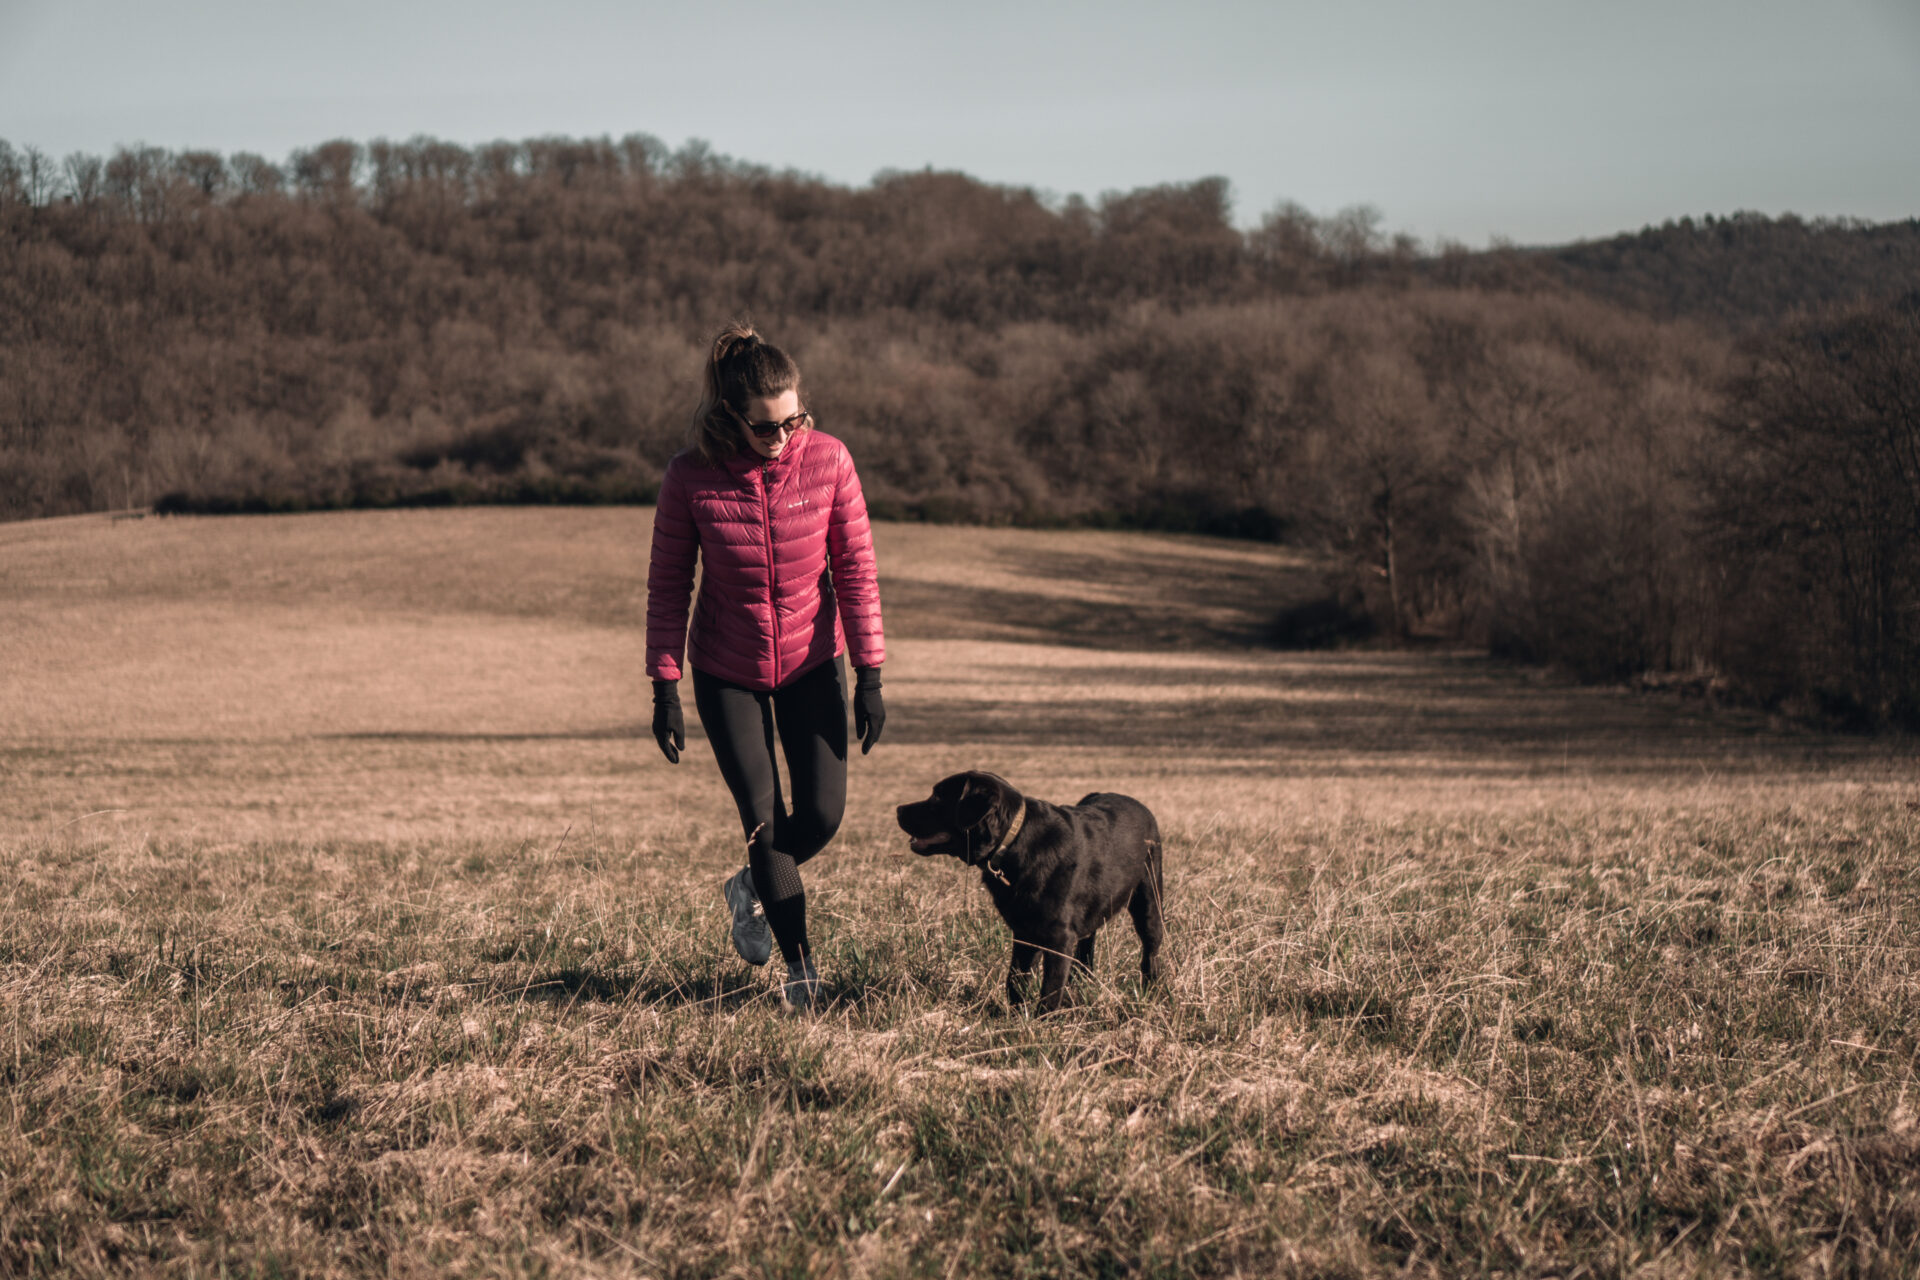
x=725, y=989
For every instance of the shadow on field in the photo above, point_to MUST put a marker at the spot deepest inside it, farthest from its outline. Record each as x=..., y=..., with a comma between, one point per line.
x=1452, y=708
x=611, y=733
x=1151, y=599
x=673, y=988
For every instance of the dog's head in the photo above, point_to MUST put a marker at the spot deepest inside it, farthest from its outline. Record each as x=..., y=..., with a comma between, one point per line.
x=964, y=816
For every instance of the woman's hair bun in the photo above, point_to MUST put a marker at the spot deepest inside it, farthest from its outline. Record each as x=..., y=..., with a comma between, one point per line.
x=740, y=365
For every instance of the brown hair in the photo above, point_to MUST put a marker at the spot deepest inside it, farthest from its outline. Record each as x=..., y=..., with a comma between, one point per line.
x=740, y=367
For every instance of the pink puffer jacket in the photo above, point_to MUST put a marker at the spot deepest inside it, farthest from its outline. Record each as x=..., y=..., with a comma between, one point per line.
x=766, y=534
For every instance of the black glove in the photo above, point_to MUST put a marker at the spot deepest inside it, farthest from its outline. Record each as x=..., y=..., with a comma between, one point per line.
x=869, y=713
x=669, y=725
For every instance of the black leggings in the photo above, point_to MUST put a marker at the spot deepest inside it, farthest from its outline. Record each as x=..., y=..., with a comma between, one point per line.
x=810, y=715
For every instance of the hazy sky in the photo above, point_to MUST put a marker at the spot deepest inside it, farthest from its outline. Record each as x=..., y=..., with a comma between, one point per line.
x=1540, y=121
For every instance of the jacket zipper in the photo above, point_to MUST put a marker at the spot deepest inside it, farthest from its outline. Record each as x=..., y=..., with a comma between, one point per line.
x=773, y=571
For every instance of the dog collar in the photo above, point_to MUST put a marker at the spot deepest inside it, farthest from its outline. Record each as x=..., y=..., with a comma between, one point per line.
x=991, y=860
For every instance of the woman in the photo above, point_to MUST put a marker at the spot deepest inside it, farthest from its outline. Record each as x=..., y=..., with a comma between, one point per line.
x=772, y=509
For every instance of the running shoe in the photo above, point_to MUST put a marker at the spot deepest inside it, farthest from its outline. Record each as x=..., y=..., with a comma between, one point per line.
x=802, y=989
x=751, y=937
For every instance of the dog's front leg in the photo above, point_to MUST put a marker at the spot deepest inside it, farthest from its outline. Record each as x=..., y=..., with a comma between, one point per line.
x=1017, y=971
x=1053, y=975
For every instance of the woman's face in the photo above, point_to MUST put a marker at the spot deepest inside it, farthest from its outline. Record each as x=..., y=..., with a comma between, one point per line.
x=764, y=409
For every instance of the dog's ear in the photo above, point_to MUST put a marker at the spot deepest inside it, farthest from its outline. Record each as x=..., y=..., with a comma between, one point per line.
x=977, y=799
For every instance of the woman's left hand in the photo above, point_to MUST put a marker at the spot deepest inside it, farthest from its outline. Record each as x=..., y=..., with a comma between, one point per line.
x=869, y=712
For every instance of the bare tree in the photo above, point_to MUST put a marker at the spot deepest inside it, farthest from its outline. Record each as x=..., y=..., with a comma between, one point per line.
x=330, y=171
x=1353, y=234
x=1824, y=489
x=12, y=176
x=42, y=177
x=86, y=177
x=256, y=175
x=204, y=171
x=645, y=157
x=1286, y=248
x=140, y=181
x=1393, y=463
x=498, y=170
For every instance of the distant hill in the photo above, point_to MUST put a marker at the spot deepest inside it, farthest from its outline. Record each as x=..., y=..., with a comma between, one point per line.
x=1740, y=275
x=1748, y=271
x=1519, y=447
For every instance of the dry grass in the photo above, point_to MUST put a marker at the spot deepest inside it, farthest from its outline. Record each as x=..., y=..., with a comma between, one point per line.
x=351, y=924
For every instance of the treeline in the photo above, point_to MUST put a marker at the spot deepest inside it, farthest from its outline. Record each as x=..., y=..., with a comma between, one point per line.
x=1593, y=455
x=1746, y=273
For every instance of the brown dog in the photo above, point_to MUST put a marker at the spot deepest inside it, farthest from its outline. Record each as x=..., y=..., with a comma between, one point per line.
x=1055, y=872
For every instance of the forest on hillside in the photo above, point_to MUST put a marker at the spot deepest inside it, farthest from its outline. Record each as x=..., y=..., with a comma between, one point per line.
x=1690, y=452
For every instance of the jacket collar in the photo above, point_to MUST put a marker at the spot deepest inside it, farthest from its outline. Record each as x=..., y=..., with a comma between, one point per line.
x=746, y=460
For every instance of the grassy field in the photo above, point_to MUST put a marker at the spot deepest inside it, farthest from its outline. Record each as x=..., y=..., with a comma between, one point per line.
x=351, y=923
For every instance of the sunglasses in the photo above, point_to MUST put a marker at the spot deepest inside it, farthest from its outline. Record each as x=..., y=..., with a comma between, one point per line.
x=768, y=430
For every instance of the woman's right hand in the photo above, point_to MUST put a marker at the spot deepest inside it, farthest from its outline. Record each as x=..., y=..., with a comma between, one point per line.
x=669, y=723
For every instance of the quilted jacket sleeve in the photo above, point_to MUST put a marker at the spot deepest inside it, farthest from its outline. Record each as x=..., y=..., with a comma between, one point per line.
x=856, y=579
x=676, y=545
